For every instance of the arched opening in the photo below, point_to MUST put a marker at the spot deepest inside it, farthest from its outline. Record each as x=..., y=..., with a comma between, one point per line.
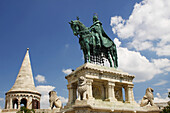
x=15, y=103
x=35, y=104
x=97, y=93
x=99, y=89
x=118, y=92
x=24, y=102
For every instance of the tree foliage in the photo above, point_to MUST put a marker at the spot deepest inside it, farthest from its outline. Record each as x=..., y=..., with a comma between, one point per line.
x=25, y=110
x=167, y=108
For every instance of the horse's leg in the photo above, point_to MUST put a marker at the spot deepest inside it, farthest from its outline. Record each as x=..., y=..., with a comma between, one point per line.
x=112, y=51
x=88, y=51
x=85, y=57
x=114, y=60
x=109, y=58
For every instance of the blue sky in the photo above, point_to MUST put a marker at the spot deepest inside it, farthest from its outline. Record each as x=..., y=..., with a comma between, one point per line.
x=140, y=28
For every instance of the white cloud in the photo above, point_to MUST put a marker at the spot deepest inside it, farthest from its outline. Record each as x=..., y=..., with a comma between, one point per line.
x=45, y=102
x=63, y=100
x=40, y=78
x=44, y=90
x=163, y=64
x=161, y=82
x=117, y=42
x=168, y=89
x=158, y=95
x=159, y=99
x=148, y=26
x=67, y=71
x=136, y=64
x=1, y=99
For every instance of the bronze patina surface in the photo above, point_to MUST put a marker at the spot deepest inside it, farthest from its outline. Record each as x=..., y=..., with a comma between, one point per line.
x=94, y=41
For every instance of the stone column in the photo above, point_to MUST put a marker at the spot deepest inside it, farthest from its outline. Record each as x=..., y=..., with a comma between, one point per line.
x=10, y=102
x=106, y=91
x=19, y=102
x=74, y=88
x=7, y=102
x=70, y=89
x=29, y=102
x=111, y=93
x=129, y=97
x=89, y=89
x=38, y=104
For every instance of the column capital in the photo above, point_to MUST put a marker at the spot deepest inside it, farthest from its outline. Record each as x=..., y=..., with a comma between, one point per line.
x=110, y=83
x=130, y=86
x=89, y=81
x=71, y=86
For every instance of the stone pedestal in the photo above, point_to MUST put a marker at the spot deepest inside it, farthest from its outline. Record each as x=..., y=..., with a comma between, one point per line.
x=104, y=91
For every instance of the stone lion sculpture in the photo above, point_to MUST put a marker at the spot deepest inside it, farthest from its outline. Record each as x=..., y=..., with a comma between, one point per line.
x=147, y=98
x=82, y=88
x=54, y=100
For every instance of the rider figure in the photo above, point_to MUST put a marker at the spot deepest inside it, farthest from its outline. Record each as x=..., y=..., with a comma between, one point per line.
x=96, y=31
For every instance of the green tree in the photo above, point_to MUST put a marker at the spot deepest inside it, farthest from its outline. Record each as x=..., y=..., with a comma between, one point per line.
x=167, y=108
x=25, y=110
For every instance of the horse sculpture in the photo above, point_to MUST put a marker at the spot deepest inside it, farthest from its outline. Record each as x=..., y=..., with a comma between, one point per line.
x=84, y=39
x=86, y=42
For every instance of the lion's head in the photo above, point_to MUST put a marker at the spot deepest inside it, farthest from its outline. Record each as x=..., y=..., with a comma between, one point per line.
x=149, y=90
x=52, y=96
x=81, y=80
x=52, y=93
x=148, y=97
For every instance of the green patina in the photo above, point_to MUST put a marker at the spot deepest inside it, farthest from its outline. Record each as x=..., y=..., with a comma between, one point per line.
x=94, y=41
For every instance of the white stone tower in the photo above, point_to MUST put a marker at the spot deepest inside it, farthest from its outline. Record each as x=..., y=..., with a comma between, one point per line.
x=23, y=92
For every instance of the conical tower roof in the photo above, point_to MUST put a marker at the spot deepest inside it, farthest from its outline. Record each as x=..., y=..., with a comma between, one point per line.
x=24, y=81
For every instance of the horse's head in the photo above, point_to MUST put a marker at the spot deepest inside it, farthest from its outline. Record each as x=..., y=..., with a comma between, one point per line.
x=75, y=27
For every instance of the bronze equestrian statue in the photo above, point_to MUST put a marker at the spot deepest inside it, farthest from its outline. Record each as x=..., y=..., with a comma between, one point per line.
x=94, y=41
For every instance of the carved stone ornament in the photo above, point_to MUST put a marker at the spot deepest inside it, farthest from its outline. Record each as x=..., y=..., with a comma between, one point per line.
x=147, y=98
x=54, y=100
x=82, y=88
